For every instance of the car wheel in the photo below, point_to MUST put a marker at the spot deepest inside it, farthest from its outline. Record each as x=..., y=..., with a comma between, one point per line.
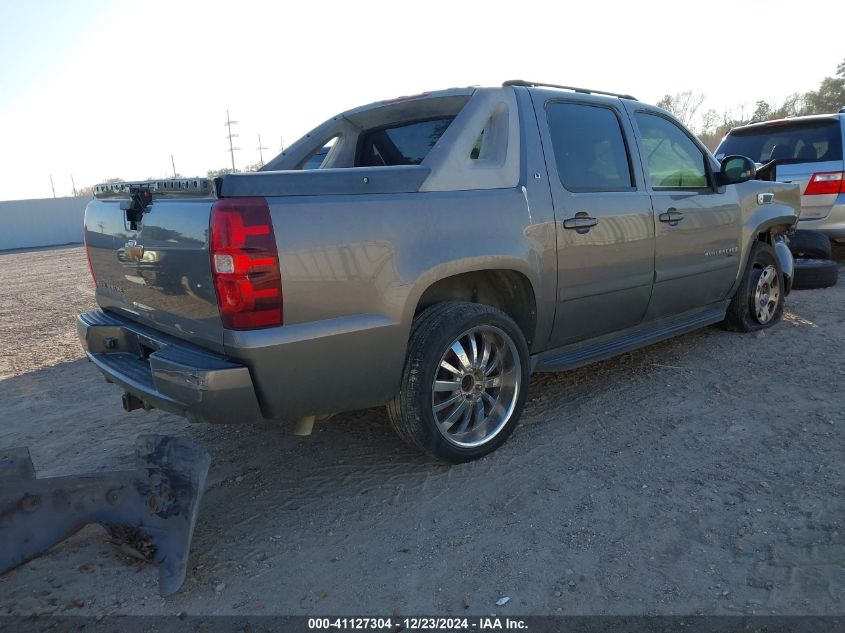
x=758, y=301
x=815, y=273
x=812, y=244
x=464, y=381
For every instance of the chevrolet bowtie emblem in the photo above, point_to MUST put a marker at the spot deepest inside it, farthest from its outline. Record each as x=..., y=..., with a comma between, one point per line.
x=133, y=250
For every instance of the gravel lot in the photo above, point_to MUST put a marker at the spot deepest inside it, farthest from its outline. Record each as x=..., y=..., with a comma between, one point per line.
x=700, y=475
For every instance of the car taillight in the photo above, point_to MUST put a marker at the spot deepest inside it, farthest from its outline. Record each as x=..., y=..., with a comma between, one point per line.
x=245, y=264
x=826, y=182
x=88, y=254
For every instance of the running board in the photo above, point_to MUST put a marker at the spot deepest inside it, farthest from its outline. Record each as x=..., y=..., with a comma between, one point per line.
x=586, y=352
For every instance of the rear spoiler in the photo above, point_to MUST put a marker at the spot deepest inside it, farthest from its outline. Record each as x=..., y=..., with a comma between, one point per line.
x=168, y=188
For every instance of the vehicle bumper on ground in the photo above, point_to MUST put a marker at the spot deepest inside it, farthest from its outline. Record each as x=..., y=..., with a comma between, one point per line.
x=164, y=373
x=833, y=225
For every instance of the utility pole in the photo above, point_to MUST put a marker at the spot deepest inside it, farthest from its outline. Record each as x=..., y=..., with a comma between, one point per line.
x=260, y=150
x=51, y=185
x=174, y=165
x=229, y=124
x=73, y=184
x=282, y=142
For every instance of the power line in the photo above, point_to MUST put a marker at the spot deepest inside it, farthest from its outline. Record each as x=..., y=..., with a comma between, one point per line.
x=173, y=164
x=230, y=136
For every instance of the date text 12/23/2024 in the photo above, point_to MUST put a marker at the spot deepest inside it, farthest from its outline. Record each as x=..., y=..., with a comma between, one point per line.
x=491, y=623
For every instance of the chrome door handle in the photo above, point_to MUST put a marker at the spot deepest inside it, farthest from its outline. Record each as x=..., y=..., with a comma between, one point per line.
x=580, y=223
x=672, y=216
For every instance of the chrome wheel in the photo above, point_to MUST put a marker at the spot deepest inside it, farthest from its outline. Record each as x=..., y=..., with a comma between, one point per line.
x=766, y=295
x=476, y=386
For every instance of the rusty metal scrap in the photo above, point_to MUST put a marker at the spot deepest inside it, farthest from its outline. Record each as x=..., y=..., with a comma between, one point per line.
x=150, y=512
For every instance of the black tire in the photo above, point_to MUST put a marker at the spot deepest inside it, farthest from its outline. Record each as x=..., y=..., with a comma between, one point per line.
x=810, y=244
x=433, y=334
x=744, y=313
x=815, y=273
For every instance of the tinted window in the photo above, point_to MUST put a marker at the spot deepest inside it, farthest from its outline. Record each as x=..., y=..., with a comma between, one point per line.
x=797, y=142
x=672, y=160
x=317, y=158
x=403, y=144
x=588, y=146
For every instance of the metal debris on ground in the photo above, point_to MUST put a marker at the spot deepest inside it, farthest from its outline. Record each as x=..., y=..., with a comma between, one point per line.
x=150, y=512
x=130, y=541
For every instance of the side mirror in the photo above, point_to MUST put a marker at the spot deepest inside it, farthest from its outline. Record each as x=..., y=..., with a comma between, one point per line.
x=736, y=169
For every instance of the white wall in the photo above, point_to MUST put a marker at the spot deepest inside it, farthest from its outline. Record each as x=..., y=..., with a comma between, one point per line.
x=43, y=222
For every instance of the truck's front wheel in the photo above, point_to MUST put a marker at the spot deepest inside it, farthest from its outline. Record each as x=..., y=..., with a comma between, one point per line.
x=758, y=302
x=464, y=381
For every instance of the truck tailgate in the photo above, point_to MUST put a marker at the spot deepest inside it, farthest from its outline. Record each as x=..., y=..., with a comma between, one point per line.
x=157, y=272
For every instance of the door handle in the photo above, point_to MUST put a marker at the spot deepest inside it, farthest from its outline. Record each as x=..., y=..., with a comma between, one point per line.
x=581, y=223
x=672, y=216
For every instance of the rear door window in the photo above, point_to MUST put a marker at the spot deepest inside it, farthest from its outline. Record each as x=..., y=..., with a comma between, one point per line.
x=787, y=142
x=671, y=158
x=589, y=149
x=401, y=144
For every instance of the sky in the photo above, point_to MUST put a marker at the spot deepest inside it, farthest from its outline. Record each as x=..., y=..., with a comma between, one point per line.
x=99, y=89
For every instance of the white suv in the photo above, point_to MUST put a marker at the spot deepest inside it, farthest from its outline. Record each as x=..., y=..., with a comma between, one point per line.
x=808, y=150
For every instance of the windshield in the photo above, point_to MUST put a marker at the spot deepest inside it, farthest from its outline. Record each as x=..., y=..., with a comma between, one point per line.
x=796, y=142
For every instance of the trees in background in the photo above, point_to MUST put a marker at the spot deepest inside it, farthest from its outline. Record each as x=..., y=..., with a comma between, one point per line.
x=88, y=191
x=831, y=94
x=828, y=98
x=684, y=105
x=214, y=173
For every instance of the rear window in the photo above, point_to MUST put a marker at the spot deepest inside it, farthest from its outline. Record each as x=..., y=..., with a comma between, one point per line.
x=401, y=144
x=317, y=159
x=807, y=142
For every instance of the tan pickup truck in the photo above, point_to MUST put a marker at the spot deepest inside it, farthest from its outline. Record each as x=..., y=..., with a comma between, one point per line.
x=428, y=253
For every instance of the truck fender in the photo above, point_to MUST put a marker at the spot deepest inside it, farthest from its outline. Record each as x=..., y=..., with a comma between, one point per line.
x=787, y=265
x=762, y=221
x=468, y=265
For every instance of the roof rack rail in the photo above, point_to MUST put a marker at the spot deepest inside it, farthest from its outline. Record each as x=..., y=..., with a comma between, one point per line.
x=529, y=84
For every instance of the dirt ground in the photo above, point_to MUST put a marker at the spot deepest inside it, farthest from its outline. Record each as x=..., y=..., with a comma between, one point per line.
x=701, y=475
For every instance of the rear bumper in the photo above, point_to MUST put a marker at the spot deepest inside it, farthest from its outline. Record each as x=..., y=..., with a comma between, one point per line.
x=168, y=374
x=833, y=225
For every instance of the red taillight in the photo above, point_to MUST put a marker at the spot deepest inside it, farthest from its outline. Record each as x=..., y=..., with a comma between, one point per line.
x=826, y=182
x=245, y=264
x=88, y=254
